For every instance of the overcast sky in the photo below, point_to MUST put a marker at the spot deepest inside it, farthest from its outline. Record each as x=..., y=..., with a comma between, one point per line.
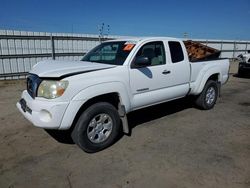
x=213, y=19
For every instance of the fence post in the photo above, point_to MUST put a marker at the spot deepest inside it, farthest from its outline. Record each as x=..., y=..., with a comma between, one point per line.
x=221, y=47
x=234, y=49
x=246, y=48
x=52, y=47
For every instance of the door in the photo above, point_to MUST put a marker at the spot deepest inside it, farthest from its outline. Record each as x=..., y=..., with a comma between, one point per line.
x=156, y=82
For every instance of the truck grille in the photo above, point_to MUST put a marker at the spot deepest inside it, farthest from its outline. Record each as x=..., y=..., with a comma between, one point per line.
x=33, y=82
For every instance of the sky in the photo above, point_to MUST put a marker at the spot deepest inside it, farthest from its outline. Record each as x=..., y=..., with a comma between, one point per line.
x=207, y=19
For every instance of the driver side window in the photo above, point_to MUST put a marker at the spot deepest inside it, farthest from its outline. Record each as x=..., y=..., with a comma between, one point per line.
x=154, y=51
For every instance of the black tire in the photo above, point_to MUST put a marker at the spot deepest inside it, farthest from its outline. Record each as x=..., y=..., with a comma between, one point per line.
x=201, y=101
x=80, y=133
x=241, y=72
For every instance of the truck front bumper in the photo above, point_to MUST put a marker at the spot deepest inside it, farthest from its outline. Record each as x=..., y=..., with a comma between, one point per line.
x=42, y=113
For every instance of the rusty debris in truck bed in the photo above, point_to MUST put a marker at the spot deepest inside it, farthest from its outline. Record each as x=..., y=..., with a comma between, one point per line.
x=199, y=52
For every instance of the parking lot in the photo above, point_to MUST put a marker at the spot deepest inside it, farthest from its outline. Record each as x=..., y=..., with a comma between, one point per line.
x=171, y=145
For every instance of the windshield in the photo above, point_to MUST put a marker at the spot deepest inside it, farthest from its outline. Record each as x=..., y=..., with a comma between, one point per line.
x=114, y=53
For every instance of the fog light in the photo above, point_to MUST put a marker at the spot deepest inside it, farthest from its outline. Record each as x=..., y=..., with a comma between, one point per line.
x=45, y=116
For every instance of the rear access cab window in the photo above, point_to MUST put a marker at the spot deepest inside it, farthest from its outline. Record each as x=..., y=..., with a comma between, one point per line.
x=176, y=51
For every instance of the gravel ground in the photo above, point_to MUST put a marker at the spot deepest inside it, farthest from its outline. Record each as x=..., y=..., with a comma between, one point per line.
x=171, y=145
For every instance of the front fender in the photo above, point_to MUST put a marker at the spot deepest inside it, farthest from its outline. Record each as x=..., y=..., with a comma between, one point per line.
x=90, y=92
x=104, y=88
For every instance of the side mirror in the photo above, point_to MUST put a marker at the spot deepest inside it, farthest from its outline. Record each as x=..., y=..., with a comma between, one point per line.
x=141, y=61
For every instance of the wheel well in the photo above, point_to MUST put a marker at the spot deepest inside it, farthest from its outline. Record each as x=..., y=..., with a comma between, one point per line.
x=112, y=98
x=214, y=77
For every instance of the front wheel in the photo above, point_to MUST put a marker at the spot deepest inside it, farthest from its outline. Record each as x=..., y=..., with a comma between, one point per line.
x=97, y=128
x=208, y=97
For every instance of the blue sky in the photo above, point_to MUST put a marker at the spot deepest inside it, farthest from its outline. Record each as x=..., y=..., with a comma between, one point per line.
x=214, y=19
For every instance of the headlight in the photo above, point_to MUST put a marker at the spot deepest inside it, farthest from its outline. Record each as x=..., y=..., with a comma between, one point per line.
x=51, y=89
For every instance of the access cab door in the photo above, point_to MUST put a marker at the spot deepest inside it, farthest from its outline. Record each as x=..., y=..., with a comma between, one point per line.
x=167, y=76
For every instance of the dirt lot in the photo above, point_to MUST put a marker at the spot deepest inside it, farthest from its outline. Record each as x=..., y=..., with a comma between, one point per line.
x=171, y=145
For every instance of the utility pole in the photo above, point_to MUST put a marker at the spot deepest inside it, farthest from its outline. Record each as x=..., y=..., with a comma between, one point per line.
x=101, y=28
x=101, y=31
x=108, y=30
x=185, y=35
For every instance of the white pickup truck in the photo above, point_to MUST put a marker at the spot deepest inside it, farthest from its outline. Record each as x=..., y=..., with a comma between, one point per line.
x=92, y=97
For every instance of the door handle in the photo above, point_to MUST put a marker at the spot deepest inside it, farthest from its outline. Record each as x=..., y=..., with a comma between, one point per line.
x=166, y=72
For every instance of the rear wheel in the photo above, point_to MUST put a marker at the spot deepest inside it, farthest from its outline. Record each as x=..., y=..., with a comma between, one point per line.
x=208, y=97
x=97, y=128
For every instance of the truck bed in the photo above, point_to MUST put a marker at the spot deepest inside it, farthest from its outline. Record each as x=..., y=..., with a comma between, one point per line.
x=198, y=52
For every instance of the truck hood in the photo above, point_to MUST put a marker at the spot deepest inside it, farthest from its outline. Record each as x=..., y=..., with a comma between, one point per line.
x=62, y=69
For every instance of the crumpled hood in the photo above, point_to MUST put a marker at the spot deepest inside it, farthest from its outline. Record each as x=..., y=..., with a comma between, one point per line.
x=60, y=69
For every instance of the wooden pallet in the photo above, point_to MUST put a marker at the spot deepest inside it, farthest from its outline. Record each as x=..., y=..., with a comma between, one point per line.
x=197, y=51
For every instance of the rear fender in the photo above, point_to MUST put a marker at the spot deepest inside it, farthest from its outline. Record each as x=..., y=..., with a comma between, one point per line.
x=203, y=78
